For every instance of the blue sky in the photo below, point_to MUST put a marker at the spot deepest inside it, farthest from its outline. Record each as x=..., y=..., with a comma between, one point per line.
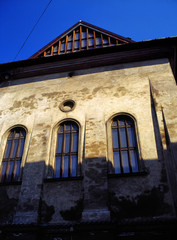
x=137, y=19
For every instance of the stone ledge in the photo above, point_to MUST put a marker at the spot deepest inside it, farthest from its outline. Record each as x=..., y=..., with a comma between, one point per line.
x=96, y=215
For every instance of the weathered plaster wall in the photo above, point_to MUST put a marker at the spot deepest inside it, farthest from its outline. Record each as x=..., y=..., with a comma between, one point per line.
x=99, y=94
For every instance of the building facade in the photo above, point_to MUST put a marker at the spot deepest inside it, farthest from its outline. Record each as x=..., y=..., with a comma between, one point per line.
x=88, y=139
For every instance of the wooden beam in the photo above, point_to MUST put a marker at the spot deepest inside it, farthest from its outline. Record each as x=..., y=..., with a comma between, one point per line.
x=109, y=40
x=44, y=53
x=59, y=46
x=51, y=53
x=87, y=38
x=117, y=42
x=101, y=39
x=66, y=43
x=80, y=44
x=73, y=41
x=94, y=39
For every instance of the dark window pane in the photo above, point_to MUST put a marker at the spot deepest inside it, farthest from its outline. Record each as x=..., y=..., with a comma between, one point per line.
x=66, y=166
x=70, y=45
x=114, y=123
x=134, y=161
x=10, y=171
x=123, y=137
x=60, y=143
x=74, y=166
x=17, y=135
x=68, y=126
x=3, y=171
x=61, y=128
x=75, y=127
x=55, y=49
x=62, y=47
x=84, y=35
x=126, y=168
x=131, y=136
x=22, y=142
x=115, y=138
x=75, y=142
x=23, y=133
x=9, y=143
x=105, y=41
x=90, y=34
x=11, y=135
x=15, y=146
x=91, y=42
x=129, y=123
x=17, y=170
x=70, y=37
x=48, y=52
x=84, y=43
x=98, y=40
x=57, y=167
x=76, y=45
x=77, y=36
x=121, y=122
x=113, y=41
x=117, y=162
x=67, y=142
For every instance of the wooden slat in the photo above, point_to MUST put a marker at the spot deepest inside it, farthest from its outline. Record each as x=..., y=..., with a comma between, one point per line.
x=87, y=39
x=73, y=41
x=51, y=53
x=109, y=40
x=66, y=43
x=94, y=39
x=80, y=43
x=59, y=46
x=101, y=39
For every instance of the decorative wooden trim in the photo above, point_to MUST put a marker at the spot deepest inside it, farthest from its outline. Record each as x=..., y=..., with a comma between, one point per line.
x=51, y=51
x=66, y=43
x=87, y=38
x=109, y=40
x=73, y=41
x=80, y=43
x=59, y=46
x=102, y=39
x=94, y=39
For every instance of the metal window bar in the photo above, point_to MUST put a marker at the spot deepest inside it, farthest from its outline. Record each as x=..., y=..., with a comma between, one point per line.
x=70, y=153
x=13, y=156
x=128, y=148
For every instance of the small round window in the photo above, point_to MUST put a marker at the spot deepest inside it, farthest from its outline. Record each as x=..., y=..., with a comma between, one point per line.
x=67, y=105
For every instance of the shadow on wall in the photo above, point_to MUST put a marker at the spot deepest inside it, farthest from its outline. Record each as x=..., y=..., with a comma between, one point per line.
x=63, y=200
x=57, y=75
x=168, y=156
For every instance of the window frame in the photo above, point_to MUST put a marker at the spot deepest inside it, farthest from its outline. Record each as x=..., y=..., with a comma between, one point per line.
x=24, y=154
x=50, y=170
x=110, y=153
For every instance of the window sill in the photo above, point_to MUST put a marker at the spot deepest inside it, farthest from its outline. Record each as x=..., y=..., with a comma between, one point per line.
x=46, y=180
x=11, y=183
x=136, y=174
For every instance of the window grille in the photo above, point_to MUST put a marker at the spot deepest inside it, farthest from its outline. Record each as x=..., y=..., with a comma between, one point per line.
x=11, y=163
x=66, y=157
x=125, y=152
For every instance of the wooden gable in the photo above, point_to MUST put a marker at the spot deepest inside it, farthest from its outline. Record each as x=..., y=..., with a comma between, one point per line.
x=82, y=36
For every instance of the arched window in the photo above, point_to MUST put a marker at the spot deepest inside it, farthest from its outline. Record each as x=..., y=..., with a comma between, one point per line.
x=125, y=152
x=11, y=163
x=66, y=157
